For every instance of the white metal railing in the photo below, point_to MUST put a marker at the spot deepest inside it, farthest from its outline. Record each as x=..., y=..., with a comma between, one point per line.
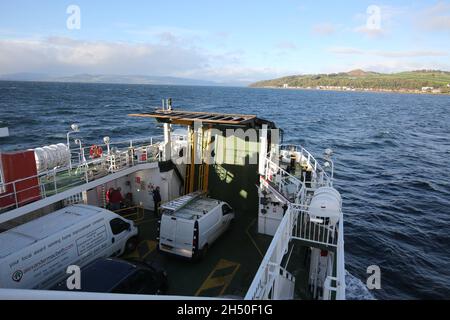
x=336, y=283
x=76, y=198
x=285, y=183
x=310, y=159
x=313, y=230
x=340, y=261
x=262, y=287
x=31, y=294
x=23, y=191
x=297, y=223
x=80, y=155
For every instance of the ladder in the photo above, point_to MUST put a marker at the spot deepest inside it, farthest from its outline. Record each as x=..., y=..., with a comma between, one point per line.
x=178, y=203
x=204, y=167
x=190, y=167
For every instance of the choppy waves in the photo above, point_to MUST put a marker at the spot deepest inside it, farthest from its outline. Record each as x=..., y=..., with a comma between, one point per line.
x=391, y=160
x=356, y=289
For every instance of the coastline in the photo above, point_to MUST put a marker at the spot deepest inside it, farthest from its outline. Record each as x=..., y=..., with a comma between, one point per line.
x=356, y=90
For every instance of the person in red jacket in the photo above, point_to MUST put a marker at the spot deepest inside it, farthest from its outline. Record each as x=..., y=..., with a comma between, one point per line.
x=108, y=197
x=115, y=199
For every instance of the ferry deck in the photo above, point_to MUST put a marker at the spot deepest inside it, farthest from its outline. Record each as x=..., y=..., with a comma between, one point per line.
x=248, y=260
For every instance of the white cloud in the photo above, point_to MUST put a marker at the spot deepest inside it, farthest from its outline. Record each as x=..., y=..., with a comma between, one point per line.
x=167, y=57
x=345, y=50
x=388, y=54
x=162, y=32
x=370, y=32
x=324, y=29
x=65, y=55
x=286, y=45
x=435, y=18
x=229, y=74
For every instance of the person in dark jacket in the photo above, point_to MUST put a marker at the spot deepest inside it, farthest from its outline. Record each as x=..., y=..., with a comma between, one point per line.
x=156, y=199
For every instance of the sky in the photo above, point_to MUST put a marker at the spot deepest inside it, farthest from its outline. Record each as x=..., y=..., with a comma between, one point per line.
x=224, y=41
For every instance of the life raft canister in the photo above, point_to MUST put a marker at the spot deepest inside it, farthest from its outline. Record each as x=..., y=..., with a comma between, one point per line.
x=95, y=151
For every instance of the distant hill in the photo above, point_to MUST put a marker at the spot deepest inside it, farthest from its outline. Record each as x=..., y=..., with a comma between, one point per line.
x=122, y=79
x=412, y=81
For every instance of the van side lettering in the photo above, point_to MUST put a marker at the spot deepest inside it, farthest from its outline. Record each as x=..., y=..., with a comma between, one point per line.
x=98, y=221
x=28, y=256
x=14, y=263
x=48, y=259
x=81, y=229
x=36, y=252
x=51, y=244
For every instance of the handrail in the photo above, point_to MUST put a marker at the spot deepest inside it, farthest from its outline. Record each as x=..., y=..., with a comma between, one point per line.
x=257, y=289
x=340, y=261
x=310, y=157
x=131, y=142
x=283, y=172
x=292, y=226
x=139, y=214
x=55, y=181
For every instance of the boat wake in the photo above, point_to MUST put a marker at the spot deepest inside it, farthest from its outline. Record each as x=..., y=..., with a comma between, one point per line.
x=355, y=289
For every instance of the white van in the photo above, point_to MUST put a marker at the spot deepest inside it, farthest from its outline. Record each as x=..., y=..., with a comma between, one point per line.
x=189, y=225
x=35, y=255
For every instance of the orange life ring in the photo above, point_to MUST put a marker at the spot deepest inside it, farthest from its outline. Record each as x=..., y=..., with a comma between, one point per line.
x=95, y=152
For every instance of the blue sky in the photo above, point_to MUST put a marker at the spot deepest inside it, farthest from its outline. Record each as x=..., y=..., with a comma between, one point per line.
x=226, y=41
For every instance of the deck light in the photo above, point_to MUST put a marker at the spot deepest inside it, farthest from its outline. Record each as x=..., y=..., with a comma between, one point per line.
x=78, y=142
x=328, y=153
x=74, y=128
x=107, y=140
x=329, y=163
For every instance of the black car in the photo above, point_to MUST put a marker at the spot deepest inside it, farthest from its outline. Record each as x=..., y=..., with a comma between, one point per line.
x=113, y=275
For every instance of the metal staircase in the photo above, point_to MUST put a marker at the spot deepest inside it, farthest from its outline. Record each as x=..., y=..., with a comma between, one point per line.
x=272, y=281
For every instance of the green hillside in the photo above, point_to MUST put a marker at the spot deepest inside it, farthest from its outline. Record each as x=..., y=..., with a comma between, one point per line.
x=359, y=79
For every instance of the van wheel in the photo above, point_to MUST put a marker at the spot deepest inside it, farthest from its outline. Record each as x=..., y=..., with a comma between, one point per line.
x=131, y=245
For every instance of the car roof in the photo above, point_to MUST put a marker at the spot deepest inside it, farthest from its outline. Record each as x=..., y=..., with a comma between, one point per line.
x=103, y=275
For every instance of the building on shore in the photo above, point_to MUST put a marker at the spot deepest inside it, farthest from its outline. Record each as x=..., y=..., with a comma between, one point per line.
x=427, y=89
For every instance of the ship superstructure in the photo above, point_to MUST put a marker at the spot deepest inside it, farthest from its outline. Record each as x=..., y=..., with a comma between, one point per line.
x=288, y=242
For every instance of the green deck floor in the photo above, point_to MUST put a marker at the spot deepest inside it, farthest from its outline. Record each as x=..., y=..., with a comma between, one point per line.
x=227, y=270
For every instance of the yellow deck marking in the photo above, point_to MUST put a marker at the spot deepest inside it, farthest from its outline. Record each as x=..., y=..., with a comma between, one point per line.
x=251, y=238
x=151, y=246
x=143, y=249
x=221, y=281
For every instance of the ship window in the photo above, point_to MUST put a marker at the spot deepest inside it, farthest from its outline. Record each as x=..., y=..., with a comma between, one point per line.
x=118, y=226
x=226, y=209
